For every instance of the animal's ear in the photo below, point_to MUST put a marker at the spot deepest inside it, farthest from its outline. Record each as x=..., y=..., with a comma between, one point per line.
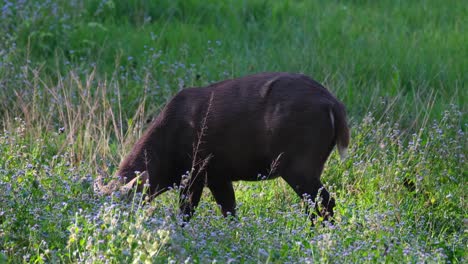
x=127, y=187
x=144, y=177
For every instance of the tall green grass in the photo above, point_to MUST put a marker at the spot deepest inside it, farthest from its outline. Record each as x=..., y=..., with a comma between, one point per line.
x=409, y=51
x=80, y=80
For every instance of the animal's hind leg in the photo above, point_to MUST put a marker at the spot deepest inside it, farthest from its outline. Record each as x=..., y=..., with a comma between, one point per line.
x=223, y=193
x=305, y=181
x=190, y=197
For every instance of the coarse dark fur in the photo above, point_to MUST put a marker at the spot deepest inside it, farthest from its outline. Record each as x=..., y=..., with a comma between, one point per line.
x=235, y=130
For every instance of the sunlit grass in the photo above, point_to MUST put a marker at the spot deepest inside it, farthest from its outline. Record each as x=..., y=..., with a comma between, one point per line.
x=396, y=201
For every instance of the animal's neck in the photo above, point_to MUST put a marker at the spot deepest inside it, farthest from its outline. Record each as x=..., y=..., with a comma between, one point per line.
x=143, y=157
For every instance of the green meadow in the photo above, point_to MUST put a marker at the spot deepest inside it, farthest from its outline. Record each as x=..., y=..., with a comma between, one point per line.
x=80, y=81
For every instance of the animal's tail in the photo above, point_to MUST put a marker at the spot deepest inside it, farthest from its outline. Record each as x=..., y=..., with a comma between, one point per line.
x=338, y=117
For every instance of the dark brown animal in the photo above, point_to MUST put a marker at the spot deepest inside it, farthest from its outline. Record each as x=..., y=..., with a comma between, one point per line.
x=256, y=127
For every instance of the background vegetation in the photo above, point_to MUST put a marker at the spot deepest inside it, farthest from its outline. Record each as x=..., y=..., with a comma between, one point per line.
x=79, y=80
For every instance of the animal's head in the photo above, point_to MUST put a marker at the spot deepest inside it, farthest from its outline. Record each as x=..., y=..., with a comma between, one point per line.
x=120, y=184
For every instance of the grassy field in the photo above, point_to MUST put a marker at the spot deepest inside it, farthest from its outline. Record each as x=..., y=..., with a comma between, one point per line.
x=80, y=80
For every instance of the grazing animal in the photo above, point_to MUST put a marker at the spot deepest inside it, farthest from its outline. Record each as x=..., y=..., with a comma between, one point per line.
x=267, y=124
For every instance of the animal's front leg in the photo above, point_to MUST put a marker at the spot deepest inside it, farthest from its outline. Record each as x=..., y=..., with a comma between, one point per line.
x=189, y=198
x=223, y=193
